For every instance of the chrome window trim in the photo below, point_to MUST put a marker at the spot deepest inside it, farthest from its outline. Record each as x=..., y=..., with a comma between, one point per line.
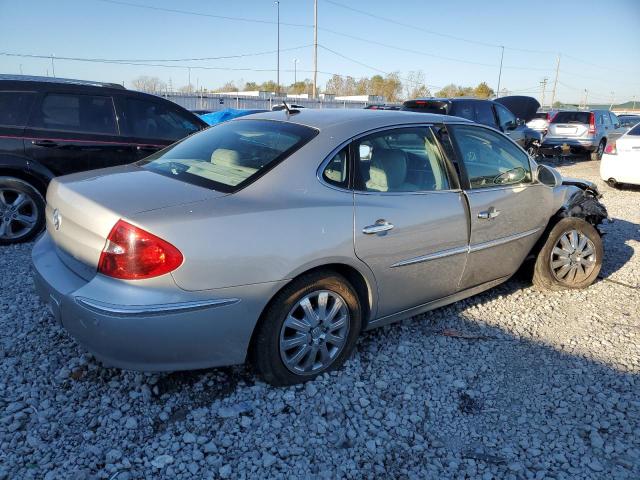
x=466, y=249
x=141, y=310
x=328, y=158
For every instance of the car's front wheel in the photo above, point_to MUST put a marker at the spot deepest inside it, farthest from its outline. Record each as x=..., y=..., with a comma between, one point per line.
x=571, y=257
x=21, y=211
x=310, y=327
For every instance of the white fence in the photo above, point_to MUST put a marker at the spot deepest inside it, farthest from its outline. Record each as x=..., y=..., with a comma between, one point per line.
x=213, y=102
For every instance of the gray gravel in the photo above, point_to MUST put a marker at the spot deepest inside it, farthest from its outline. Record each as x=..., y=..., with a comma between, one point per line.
x=514, y=383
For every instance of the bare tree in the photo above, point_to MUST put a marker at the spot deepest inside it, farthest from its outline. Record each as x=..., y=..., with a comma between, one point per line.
x=145, y=83
x=415, y=85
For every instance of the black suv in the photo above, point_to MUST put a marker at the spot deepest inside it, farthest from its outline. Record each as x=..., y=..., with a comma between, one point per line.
x=507, y=114
x=51, y=127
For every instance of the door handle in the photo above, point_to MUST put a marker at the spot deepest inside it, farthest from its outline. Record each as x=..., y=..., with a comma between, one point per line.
x=146, y=148
x=378, y=227
x=489, y=214
x=44, y=143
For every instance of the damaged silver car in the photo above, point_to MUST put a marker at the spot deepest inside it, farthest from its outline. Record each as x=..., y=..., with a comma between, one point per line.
x=281, y=237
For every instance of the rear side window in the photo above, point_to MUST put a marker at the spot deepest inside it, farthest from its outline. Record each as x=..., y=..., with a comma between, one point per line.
x=571, y=117
x=464, y=109
x=230, y=155
x=146, y=119
x=507, y=119
x=76, y=113
x=15, y=108
x=337, y=170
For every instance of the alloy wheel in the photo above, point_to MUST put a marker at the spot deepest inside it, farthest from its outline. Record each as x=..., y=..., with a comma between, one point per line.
x=18, y=214
x=314, y=332
x=573, y=258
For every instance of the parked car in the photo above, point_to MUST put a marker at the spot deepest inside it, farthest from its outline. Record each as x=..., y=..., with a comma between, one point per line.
x=540, y=121
x=219, y=116
x=510, y=119
x=628, y=121
x=280, y=237
x=201, y=112
x=382, y=106
x=621, y=160
x=51, y=127
x=579, y=132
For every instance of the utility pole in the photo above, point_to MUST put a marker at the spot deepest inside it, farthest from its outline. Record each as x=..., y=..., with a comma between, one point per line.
x=543, y=83
x=189, y=81
x=555, y=82
x=53, y=67
x=315, y=48
x=634, y=103
x=500, y=73
x=295, y=71
x=613, y=99
x=586, y=99
x=277, y=3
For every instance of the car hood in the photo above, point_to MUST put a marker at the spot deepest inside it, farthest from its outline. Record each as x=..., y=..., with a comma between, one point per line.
x=521, y=106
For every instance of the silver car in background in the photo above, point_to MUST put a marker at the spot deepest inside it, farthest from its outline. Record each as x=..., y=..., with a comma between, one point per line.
x=579, y=132
x=281, y=237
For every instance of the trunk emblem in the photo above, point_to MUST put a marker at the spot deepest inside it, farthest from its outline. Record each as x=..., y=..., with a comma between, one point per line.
x=57, y=219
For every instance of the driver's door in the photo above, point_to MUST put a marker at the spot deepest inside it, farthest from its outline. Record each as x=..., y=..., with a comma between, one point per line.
x=508, y=211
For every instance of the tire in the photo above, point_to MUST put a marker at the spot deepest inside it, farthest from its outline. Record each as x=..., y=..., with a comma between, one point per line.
x=21, y=211
x=548, y=273
x=533, y=151
x=612, y=183
x=268, y=354
x=597, y=155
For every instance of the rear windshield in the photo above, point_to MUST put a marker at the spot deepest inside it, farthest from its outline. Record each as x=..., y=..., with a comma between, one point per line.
x=635, y=130
x=541, y=115
x=427, y=106
x=572, y=117
x=230, y=155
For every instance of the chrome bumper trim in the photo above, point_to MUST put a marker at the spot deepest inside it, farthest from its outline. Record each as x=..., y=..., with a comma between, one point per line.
x=142, y=310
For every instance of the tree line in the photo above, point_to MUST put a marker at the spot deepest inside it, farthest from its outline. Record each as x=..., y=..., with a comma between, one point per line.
x=391, y=86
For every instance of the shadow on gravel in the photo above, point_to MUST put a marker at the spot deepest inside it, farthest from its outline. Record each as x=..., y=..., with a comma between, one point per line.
x=617, y=251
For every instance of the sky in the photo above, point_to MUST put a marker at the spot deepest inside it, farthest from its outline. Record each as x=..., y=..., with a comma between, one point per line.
x=450, y=41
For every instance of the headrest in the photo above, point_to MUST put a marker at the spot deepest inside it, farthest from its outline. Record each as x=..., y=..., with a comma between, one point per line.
x=225, y=157
x=388, y=169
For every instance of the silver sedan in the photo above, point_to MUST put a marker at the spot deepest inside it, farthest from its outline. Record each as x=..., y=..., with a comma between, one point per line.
x=278, y=238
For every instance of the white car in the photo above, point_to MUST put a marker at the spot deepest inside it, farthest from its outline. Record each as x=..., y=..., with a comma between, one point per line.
x=621, y=160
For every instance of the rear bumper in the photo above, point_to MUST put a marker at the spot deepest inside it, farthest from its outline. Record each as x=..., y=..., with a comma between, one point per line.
x=555, y=144
x=188, y=330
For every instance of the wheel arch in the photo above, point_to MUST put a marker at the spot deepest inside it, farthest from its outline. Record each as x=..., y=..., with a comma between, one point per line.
x=22, y=172
x=363, y=284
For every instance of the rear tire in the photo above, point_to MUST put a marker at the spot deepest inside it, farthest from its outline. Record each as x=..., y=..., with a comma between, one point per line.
x=612, y=183
x=21, y=211
x=279, y=340
x=571, y=258
x=597, y=155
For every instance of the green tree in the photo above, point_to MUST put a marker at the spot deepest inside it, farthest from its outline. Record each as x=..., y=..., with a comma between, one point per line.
x=483, y=91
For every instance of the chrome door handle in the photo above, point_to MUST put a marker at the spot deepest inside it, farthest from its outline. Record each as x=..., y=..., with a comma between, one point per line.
x=489, y=214
x=378, y=227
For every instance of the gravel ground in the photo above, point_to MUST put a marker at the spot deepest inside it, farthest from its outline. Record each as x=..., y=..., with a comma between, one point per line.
x=513, y=383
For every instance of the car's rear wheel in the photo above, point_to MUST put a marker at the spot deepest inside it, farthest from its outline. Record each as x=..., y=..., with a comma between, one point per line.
x=597, y=154
x=571, y=257
x=310, y=327
x=21, y=211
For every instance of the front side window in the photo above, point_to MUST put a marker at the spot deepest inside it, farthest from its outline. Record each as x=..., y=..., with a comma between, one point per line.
x=230, y=155
x=76, y=113
x=464, y=109
x=399, y=160
x=145, y=119
x=506, y=118
x=491, y=160
x=484, y=114
x=15, y=108
x=614, y=119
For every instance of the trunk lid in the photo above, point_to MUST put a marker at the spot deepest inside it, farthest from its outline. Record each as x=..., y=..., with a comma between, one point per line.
x=629, y=146
x=568, y=130
x=83, y=208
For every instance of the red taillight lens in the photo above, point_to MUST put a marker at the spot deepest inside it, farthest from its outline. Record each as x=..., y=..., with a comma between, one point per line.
x=592, y=123
x=133, y=254
x=610, y=149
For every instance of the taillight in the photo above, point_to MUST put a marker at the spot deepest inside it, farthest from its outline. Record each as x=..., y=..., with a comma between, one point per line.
x=610, y=149
x=134, y=254
x=592, y=123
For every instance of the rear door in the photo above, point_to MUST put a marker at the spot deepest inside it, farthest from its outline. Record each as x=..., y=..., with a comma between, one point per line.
x=616, y=126
x=410, y=220
x=72, y=132
x=149, y=125
x=508, y=212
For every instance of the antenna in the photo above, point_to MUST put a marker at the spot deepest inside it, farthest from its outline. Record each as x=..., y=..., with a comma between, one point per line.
x=286, y=107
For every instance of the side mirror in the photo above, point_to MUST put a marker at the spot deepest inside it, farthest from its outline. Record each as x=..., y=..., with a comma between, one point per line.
x=548, y=176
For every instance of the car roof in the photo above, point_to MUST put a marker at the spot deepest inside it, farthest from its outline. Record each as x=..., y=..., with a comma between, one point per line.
x=56, y=80
x=448, y=99
x=365, y=118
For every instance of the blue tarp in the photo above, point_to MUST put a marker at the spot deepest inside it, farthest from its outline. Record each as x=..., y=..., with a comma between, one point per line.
x=227, y=114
